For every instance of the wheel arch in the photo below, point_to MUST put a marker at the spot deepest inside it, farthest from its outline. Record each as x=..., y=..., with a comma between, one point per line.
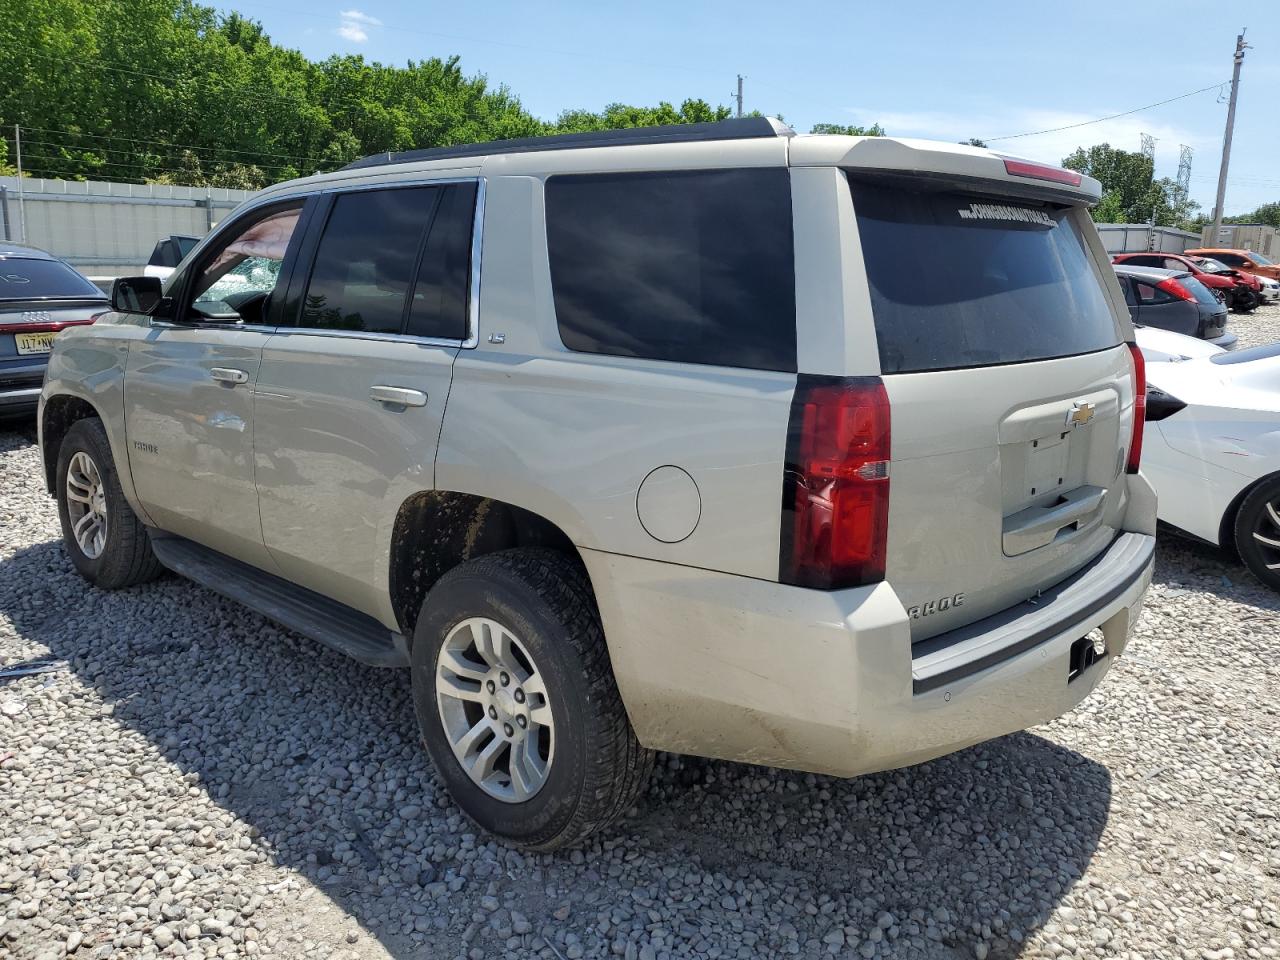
x=57, y=415
x=1227, y=528
x=436, y=530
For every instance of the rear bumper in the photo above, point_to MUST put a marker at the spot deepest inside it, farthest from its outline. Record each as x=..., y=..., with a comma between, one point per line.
x=20, y=385
x=760, y=672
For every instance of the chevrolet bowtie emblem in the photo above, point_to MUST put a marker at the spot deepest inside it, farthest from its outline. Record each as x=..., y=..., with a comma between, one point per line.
x=1079, y=414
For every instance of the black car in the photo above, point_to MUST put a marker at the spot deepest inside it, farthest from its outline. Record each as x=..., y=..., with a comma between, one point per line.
x=39, y=295
x=1174, y=300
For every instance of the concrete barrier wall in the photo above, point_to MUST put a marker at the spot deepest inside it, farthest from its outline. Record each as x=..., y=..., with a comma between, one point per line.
x=108, y=229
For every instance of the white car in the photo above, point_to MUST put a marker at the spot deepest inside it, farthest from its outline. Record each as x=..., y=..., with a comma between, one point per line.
x=1270, y=291
x=1212, y=446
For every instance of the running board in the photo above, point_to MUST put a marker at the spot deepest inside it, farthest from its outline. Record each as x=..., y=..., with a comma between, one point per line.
x=311, y=614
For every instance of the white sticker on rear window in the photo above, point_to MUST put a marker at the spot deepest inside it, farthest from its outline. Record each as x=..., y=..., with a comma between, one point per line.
x=996, y=211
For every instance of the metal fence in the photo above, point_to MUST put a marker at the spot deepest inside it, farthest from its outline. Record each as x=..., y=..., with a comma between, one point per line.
x=1139, y=237
x=107, y=229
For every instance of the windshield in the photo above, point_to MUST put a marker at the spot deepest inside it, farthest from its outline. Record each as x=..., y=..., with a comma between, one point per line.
x=1211, y=266
x=27, y=279
x=1005, y=281
x=1260, y=260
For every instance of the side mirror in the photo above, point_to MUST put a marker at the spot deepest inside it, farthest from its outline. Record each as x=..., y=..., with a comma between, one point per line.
x=138, y=295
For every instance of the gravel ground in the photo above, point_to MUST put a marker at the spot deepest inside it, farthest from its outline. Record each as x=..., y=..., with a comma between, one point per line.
x=199, y=782
x=1253, y=329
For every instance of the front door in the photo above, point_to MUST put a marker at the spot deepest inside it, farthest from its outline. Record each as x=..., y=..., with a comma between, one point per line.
x=351, y=395
x=189, y=389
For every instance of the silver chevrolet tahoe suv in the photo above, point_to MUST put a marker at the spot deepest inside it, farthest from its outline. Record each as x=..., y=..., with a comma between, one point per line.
x=811, y=451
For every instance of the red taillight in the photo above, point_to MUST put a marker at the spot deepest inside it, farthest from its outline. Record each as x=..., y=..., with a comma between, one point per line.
x=1139, y=408
x=835, y=515
x=1040, y=171
x=1172, y=287
x=52, y=326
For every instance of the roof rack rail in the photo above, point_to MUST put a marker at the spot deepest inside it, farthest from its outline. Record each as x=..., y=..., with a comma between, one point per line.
x=744, y=128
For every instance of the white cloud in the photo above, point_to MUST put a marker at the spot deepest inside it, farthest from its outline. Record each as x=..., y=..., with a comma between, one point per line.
x=360, y=17
x=353, y=25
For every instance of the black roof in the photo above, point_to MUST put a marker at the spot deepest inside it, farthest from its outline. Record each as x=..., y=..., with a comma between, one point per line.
x=745, y=128
x=10, y=248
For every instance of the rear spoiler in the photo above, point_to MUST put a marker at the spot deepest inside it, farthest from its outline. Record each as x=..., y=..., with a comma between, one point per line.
x=945, y=163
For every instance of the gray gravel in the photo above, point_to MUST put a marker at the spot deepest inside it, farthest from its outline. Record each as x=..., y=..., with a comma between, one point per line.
x=1253, y=329
x=198, y=782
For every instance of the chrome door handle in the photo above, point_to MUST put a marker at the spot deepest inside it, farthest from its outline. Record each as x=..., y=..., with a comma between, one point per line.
x=229, y=375
x=400, y=396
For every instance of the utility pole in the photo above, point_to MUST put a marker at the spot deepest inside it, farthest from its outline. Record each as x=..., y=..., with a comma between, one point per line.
x=739, y=94
x=1241, y=46
x=22, y=200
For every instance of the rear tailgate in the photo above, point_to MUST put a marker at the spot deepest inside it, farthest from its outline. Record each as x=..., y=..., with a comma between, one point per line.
x=1010, y=387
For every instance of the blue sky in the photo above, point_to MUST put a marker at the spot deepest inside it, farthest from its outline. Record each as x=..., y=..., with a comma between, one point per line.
x=947, y=70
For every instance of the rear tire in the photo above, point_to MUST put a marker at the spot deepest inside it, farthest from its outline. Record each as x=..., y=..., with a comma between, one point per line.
x=104, y=538
x=543, y=768
x=1257, y=532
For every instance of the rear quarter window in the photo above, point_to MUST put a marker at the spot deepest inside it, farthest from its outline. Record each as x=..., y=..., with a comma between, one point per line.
x=964, y=280
x=689, y=266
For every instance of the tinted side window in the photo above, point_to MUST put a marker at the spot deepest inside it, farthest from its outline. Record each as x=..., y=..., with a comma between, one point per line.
x=365, y=262
x=1230, y=259
x=1144, y=261
x=1149, y=294
x=439, y=307
x=691, y=266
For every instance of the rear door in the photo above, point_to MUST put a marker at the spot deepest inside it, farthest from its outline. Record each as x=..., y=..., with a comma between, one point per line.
x=1011, y=393
x=351, y=393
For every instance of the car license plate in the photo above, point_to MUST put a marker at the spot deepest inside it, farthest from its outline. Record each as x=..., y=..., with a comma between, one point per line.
x=34, y=342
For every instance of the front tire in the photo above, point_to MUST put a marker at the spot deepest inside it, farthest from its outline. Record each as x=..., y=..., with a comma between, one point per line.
x=104, y=538
x=1257, y=532
x=1245, y=301
x=517, y=702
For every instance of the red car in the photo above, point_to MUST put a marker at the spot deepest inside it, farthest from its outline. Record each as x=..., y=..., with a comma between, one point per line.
x=1240, y=291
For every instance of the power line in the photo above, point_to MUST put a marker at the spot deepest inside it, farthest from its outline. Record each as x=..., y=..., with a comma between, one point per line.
x=84, y=166
x=1085, y=123
x=175, y=146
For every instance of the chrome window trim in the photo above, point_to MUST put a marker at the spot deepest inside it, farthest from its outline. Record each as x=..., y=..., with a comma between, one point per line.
x=477, y=247
x=368, y=335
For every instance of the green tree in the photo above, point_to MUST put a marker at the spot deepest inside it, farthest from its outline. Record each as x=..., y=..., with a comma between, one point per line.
x=617, y=116
x=1130, y=194
x=171, y=91
x=849, y=130
x=1268, y=213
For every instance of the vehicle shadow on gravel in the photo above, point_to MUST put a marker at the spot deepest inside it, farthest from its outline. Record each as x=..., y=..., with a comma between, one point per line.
x=321, y=757
x=1184, y=563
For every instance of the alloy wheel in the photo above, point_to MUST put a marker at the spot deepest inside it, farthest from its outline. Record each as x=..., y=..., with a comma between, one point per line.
x=495, y=711
x=87, y=505
x=1267, y=532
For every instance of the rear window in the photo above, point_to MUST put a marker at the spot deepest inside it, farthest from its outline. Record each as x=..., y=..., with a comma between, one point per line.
x=23, y=279
x=691, y=266
x=1198, y=290
x=961, y=280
